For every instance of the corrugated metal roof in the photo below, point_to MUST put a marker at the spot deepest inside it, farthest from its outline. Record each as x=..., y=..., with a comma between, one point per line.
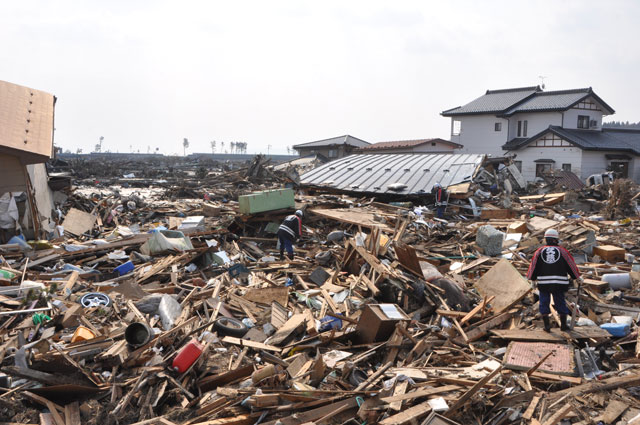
x=374, y=173
x=406, y=144
x=493, y=101
x=564, y=179
x=340, y=140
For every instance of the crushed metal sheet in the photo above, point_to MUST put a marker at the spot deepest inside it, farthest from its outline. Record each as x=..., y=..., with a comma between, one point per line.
x=404, y=174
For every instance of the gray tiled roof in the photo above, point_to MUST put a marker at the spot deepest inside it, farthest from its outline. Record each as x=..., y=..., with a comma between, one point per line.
x=609, y=139
x=527, y=99
x=373, y=173
x=559, y=100
x=493, y=101
x=340, y=140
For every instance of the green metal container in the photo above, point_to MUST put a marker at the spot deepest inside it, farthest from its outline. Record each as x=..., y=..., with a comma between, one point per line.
x=267, y=200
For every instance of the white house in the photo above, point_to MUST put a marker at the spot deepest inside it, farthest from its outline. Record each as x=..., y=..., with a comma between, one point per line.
x=546, y=129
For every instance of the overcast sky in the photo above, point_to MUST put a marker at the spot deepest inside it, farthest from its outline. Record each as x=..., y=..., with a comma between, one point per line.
x=148, y=74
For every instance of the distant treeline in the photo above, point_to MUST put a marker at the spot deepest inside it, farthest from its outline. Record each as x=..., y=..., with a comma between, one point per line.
x=621, y=124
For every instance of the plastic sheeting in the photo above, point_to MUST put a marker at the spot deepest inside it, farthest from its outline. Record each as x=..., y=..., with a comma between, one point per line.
x=8, y=211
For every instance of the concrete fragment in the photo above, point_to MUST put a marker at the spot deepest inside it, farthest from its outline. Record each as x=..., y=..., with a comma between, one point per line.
x=490, y=240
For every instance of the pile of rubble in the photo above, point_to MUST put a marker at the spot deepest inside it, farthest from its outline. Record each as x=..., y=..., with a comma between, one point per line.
x=170, y=304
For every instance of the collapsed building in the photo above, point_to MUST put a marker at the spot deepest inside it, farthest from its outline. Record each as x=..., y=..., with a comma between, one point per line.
x=26, y=144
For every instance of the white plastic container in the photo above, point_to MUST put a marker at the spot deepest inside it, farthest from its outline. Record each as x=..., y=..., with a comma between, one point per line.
x=617, y=281
x=625, y=320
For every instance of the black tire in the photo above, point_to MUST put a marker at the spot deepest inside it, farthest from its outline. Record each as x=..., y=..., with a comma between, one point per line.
x=95, y=299
x=230, y=327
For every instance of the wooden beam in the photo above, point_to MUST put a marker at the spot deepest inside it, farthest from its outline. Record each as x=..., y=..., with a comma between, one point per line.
x=466, y=396
x=559, y=415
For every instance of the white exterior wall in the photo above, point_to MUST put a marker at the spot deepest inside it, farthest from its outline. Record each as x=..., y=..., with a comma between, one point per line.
x=594, y=162
x=571, y=118
x=478, y=135
x=536, y=122
x=561, y=155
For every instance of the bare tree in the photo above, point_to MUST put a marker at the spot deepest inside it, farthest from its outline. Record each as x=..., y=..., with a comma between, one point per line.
x=222, y=147
x=233, y=145
x=213, y=146
x=185, y=145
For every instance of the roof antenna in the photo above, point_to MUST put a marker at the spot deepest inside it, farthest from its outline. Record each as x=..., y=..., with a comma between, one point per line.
x=542, y=77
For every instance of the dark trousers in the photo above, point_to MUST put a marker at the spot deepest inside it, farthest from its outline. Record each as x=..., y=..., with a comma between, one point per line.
x=285, y=243
x=440, y=211
x=558, y=299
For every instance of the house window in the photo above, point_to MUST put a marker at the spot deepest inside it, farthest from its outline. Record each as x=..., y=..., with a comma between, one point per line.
x=333, y=153
x=433, y=143
x=542, y=168
x=583, y=121
x=522, y=128
x=456, y=128
x=566, y=167
x=518, y=165
x=498, y=126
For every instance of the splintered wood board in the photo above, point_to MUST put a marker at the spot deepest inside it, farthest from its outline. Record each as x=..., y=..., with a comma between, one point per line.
x=539, y=223
x=268, y=295
x=580, y=332
x=355, y=216
x=77, y=222
x=505, y=283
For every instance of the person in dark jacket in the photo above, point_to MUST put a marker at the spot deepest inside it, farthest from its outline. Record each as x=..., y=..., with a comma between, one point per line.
x=441, y=196
x=289, y=231
x=551, y=267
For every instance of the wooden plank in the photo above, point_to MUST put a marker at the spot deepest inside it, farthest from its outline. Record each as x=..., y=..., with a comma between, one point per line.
x=355, y=216
x=613, y=411
x=72, y=413
x=294, y=322
x=407, y=256
x=481, y=330
x=68, y=286
x=42, y=377
x=559, y=415
x=604, y=385
x=400, y=389
x=420, y=393
x=251, y=344
x=505, y=283
x=582, y=332
x=466, y=396
x=212, y=382
x=408, y=416
x=528, y=414
x=314, y=414
x=235, y=420
x=78, y=222
x=476, y=309
x=268, y=295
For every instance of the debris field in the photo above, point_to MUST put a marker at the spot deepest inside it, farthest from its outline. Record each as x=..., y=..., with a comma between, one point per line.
x=165, y=301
